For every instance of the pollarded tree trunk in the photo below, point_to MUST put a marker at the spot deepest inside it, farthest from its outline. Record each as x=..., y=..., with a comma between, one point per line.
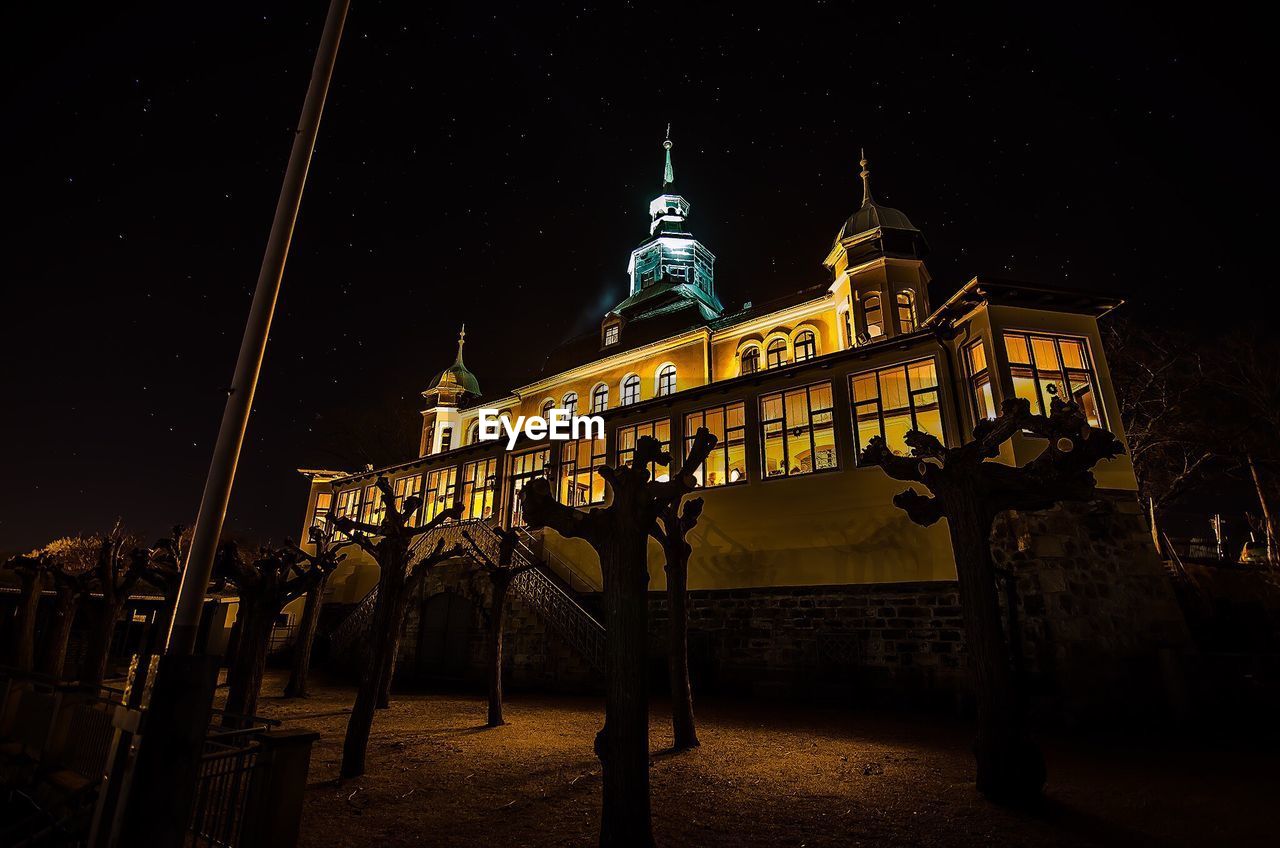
x=497, y=623
x=244, y=677
x=304, y=642
x=389, y=670
x=387, y=611
x=28, y=608
x=623, y=743
x=65, y=607
x=1009, y=765
x=98, y=641
x=676, y=547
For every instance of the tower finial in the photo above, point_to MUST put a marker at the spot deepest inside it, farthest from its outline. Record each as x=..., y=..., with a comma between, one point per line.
x=462, y=339
x=866, y=179
x=668, y=176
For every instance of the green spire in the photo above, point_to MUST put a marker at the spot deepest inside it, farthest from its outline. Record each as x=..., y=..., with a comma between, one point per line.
x=668, y=176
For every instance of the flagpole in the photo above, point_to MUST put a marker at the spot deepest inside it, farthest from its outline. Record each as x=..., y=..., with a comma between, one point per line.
x=235, y=417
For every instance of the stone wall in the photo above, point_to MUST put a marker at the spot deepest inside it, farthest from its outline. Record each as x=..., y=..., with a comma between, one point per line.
x=1095, y=612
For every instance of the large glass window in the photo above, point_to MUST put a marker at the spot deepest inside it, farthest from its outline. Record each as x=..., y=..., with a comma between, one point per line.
x=1044, y=367
x=631, y=390
x=525, y=467
x=439, y=492
x=873, y=315
x=320, y=517
x=478, y=483
x=667, y=380
x=407, y=487
x=806, y=346
x=600, y=398
x=374, y=510
x=890, y=401
x=906, y=301
x=776, y=353
x=629, y=437
x=975, y=362
x=580, y=485
x=348, y=507
x=727, y=462
x=750, y=361
x=798, y=431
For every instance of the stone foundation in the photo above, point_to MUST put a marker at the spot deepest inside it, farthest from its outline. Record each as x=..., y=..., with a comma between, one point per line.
x=1095, y=612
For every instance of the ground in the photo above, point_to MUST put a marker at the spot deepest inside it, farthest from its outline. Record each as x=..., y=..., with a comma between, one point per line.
x=767, y=774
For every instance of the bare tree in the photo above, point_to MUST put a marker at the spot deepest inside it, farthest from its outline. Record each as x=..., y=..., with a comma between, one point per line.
x=168, y=556
x=1165, y=392
x=71, y=561
x=324, y=542
x=118, y=567
x=31, y=569
x=389, y=544
x=275, y=578
x=619, y=533
x=500, y=574
x=970, y=492
x=675, y=526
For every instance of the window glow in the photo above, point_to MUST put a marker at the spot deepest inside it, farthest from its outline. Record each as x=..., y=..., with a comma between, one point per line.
x=727, y=462
x=890, y=401
x=797, y=429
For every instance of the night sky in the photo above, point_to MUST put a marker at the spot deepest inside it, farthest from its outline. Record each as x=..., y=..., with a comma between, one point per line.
x=492, y=165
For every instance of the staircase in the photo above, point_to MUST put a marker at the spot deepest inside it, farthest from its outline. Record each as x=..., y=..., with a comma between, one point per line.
x=534, y=586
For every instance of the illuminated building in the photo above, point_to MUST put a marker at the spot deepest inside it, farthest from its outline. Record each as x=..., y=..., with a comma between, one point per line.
x=802, y=568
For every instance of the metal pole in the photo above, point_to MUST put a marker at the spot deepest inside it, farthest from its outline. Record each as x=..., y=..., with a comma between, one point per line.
x=235, y=418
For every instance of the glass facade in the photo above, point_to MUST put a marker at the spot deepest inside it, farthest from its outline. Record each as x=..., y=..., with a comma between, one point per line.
x=479, y=480
x=727, y=462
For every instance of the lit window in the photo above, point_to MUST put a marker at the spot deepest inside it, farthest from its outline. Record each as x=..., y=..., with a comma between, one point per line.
x=407, y=487
x=580, y=485
x=806, y=346
x=439, y=492
x=478, y=482
x=348, y=507
x=547, y=406
x=525, y=468
x=600, y=398
x=630, y=390
x=890, y=401
x=727, y=462
x=571, y=404
x=975, y=358
x=320, y=518
x=750, y=361
x=906, y=311
x=473, y=433
x=667, y=380
x=776, y=353
x=1044, y=367
x=446, y=438
x=611, y=334
x=873, y=317
x=797, y=430
x=373, y=510
x=629, y=437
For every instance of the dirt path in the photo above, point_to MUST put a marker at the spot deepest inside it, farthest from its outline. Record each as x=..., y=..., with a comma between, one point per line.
x=766, y=775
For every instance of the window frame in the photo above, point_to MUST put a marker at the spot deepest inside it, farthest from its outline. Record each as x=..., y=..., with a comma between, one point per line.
x=1090, y=371
x=570, y=403
x=401, y=490
x=569, y=468
x=866, y=316
x=598, y=391
x=911, y=407
x=771, y=348
x=662, y=386
x=467, y=486
x=631, y=381
x=749, y=353
x=788, y=427
x=810, y=345
x=722, y=446
x=635, y=430
x=977, y=378
x=911, y=324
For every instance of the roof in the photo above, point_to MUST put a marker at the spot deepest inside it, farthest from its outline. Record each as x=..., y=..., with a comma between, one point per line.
x=872, y=215
x=1009, y=292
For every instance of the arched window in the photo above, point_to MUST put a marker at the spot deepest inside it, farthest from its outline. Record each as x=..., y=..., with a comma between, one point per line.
x=547, y=406
x=906, y=311
x=776, y=353
x=446, y=438
x=631, y=390
x=473, y=433
x=600, y=398
x=571, y=403
x=806, y=346
x=666, y=380
x=749, y=363
x=872, y=314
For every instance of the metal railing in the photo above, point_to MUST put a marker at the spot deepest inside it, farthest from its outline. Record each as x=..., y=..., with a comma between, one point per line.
x=222, y=790
x=556, y=606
